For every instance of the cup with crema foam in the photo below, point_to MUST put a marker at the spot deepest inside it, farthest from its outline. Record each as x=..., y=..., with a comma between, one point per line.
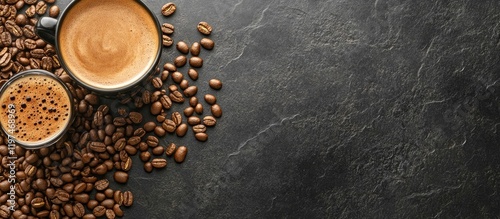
x=111, y=47
x=36, y=109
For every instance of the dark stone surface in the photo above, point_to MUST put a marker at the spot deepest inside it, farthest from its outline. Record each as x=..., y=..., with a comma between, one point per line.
x=338, y=109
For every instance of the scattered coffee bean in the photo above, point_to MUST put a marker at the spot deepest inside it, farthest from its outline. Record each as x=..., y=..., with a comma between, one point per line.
x=196, y=62
x=177, y=97
x=204, y=28
x=193, y=74
x=54, y=11
x=135, y=117
x=157, y=82
x=182, y=47
x=207, y=43
x=190, y=91
x=199, y=128
x=215, y=84
x=180, y=154
x=195, y=49
x=198, y=108
x=170, y=149
x=181, y=130
x=167, y=28
x=145, y=156
x=128, y=198
x=158, y=150
x=184, y=84
x=99, y=211
x=149, y=126
x=169, y=67
x=101, y=184
x=148, y=167
x=188, y=111
x=168, y=9
x=193, y=101
x=152, y=141
x=210, y=99
x=166, y=102
x=201, y=136
x=167, y=41
x=209, y=121
x=181, y=60
x=177, y=77
x=216, y=110
x=159, y=131
x=193, y=120
x=156, y=108
x=41, y=7
x=120, y=177
x=159, y=163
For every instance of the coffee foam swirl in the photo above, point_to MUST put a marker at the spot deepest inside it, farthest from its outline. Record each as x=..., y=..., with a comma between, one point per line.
x=42, y=108
x=108, y=43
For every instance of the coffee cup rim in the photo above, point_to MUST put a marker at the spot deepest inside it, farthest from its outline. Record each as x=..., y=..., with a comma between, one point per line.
x=116, y=90
x=50, y=141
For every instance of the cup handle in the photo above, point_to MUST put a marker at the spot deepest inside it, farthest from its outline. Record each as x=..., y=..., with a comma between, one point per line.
x=46, y=29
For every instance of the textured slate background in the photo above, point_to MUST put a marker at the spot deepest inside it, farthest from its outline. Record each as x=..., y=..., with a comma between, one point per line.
x=339, y=109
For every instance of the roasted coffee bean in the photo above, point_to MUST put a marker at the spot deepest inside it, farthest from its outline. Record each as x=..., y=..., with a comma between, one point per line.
x=176, y=96
x=173, y=88
x=167, y=41
x=180, y=61
x=177, y=118
x=41, y=7
x=120, y=177
x=164, y=75
x=139, y=132
x=193, y=120
x=160, y=118
x=204, y=28
x=120, y=144
x=155, y=96
x=210, y=99
x=169, y=67
x=209, y=121
x=216, y=110
x=195, y=49
x=108, y=203
x=201, y=136
x=5, y=59
x=62, y=195
x=148, y=167
x=128, y=199
x=182, y=47
x=152, y=141
x=145, y=156
x=99, y=211
x=188, y=111
x=180, y=154
x=135, y=117
x=196, y=62
x=37, y=202
x=177, y=77
x=166, y=102
x=30, y=44
x=98, y=147
x=89, y=216
x=149, y=126
x=215, y=84
x=127, y=164
x=54, y=11
x=110, y=213
x=193, y=101
x=138, y=102
x=170, y=149
x=29, y=31
x=199, y=128
x=134, y=140
x=6, y=41
x=30, y=11
x=118, y=211
x=207, y=43
x=101, y=184
x=146, y=97
x=159, y=163
x=198, y=108
x=158, y=150
x=157, y=83
x=93, y=99
x=184, y=84
x=159, y=131
x=169, y=125
x=191, y=91
x=156, y=108
x=118, y=197
x=46, y=64
x=79, y=210
x=14, y=29
x=168, y=9
x=193, y=74
x=181, y=130
x=4, y=211
x=119, y=121
x=167, y=28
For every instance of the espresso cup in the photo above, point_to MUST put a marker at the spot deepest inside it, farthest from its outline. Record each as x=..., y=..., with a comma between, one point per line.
x=111, y=47
x=37, y=109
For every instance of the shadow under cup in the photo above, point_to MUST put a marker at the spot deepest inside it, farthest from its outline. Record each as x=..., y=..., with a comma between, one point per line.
x=37, y=109
x=111, y=47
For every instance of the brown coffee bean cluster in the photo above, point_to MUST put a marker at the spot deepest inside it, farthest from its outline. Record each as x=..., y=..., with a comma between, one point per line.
x=68, y=179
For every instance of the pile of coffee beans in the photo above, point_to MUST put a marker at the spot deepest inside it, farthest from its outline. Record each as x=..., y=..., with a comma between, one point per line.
x=70, y=178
